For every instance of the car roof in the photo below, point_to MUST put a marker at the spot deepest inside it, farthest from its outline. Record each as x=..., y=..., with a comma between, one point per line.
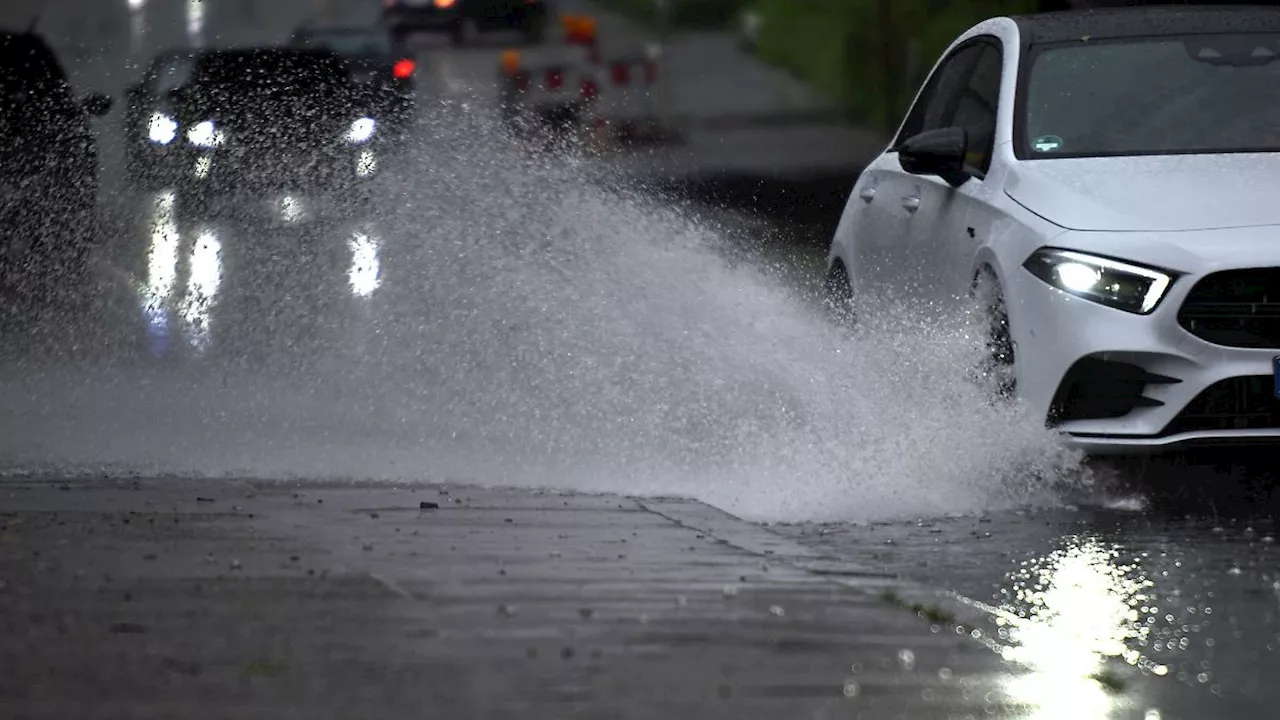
x=352, y=29
x=269, y=53
x=26, y=40
x=1147, y=21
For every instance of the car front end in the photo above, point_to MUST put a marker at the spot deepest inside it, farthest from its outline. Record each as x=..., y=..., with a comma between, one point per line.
x=1179, y=349
x=288, y=171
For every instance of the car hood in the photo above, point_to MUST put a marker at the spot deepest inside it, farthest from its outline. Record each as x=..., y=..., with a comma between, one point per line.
x=1151, y=193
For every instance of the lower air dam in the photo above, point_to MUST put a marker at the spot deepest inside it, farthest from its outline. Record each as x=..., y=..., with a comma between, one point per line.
x=568, y=336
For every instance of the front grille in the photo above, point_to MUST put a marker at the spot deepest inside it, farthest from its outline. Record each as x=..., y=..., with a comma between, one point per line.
x=1239, y=403
x=1096, y=388
x=1235, y=308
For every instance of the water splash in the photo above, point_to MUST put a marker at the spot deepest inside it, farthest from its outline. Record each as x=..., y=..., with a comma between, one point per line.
x=536, y=323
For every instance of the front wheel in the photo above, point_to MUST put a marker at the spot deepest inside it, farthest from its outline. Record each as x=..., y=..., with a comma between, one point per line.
x=997, y=368
x=838, y=295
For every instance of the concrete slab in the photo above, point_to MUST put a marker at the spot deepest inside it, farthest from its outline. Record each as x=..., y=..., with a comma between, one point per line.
x=168, y=598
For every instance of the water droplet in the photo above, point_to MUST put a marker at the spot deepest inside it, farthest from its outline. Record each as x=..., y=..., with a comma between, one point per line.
x=906, y=659
x=850, y=689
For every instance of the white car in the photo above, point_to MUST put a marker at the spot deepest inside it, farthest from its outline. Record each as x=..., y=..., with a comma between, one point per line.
x=1110, y=181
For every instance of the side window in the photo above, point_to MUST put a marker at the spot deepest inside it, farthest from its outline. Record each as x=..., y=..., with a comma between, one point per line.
x=976, y=110
x=936, y=105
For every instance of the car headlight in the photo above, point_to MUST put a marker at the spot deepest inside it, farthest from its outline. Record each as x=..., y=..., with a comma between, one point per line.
x=204, y=134
x=1120, y=285
x=161, y=129
x=361, y=130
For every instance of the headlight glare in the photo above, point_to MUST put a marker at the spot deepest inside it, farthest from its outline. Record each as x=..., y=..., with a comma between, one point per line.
x=161, y=129
x=1132, y=288
x=361, y=130
x=204, y=134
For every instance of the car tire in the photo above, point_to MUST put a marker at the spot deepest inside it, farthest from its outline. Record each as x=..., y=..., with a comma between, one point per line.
x=837, y=291
x=998, y=368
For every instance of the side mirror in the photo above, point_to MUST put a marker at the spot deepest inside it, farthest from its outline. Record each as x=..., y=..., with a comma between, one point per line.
x=936, y=152
x=96, y=104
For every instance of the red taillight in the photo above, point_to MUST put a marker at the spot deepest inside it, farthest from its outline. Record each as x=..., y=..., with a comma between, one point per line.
x=404, y=68
x=621, y=73
x=590, y=91
x=522, y=81
x=555, y=78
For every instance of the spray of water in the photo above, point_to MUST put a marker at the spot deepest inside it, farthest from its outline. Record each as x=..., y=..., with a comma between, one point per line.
x=529, y=321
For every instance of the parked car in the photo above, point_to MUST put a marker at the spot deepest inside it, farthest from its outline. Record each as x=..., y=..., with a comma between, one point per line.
x=48, y=160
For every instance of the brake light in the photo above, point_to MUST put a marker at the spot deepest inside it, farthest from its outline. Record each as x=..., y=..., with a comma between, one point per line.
x=442, y=4
x=621, y=73
x=555, y=78
x=404, y=68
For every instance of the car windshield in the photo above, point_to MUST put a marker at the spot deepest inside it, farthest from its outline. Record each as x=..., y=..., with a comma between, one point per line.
x=347, y=41
x=170, y=71
x=313, y=82
x=273, y=71
x=1153, y=96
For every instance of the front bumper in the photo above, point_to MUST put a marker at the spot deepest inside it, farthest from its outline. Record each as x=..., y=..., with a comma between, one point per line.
x=252, y=171
x=1117, y=383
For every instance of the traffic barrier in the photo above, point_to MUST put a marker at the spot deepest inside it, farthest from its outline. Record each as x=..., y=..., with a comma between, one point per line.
x=573, y=88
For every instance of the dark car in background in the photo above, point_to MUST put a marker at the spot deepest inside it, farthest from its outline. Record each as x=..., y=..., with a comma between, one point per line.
x=384, y=78
x=151, y=147
x=262, y=125
x=48, y=160
x=464, y=20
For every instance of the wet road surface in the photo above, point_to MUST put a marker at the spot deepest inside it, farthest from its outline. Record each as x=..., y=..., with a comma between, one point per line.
x=1177, y=593
x=165, y=598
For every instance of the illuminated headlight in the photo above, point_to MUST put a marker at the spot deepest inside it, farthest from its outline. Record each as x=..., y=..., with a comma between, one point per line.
x=361, y=130
x=161, y=129
x=205, y=135
x=1120, y=285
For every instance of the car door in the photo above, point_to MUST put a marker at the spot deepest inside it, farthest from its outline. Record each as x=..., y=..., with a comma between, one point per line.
x=961, y=218
x=931, y=201
x=893, y=198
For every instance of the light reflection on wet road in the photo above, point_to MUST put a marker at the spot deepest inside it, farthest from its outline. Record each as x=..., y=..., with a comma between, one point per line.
x=1160, y=605
x=207, y=286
